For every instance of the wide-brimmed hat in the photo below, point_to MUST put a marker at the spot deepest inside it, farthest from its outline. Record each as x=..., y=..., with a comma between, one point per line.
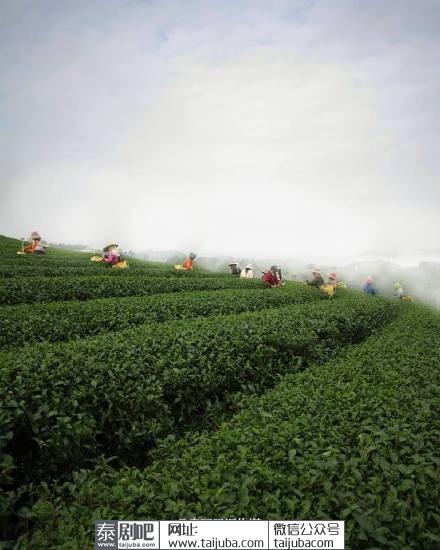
x=112, y=245
x=249, y=266
x=35, y=235
x=233, y=263
x=332, y=275
x=316, y=270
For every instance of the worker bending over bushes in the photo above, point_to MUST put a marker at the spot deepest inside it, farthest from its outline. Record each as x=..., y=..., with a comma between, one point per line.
x=112, y=257
x=271, y=278
x=35, y=245
x=235, y=269
x=317, y=278
x=329, y=288
x=247, y=272
x=188, y=264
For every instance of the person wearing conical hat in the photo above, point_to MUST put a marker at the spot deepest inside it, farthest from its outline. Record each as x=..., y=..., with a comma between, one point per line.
x=235, y=269
x=332, y=278
x=112, y=255
x=35, y=246
x=330, y=286
x=317, y=278
x=247, y=272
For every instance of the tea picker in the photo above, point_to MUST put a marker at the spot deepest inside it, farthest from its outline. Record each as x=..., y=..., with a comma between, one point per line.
x=329, y=288
x=187, y=264
x=270, y=279
x=111, y=257
x=317, y=278
x=369, y=287
x=235, y=269
x=247, y=272
x=35, y=246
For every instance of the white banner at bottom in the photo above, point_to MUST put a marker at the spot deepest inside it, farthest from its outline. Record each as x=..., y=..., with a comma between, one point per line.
x=218, y=534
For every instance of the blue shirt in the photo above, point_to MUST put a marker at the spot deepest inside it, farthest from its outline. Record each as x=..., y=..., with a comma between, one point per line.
x=369, y=289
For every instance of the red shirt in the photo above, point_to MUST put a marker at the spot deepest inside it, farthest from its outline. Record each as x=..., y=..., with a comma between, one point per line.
x=270, y=279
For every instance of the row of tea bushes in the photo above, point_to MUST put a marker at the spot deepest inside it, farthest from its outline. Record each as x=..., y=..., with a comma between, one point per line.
x=52, y=289
x=75, y=270
x=354, y=440
x=61, y=321
x=65, y=405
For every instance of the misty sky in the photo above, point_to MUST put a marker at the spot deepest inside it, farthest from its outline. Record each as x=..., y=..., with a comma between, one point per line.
x=240, y=127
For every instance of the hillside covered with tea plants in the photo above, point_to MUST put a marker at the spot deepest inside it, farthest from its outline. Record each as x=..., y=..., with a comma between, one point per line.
x=151, y=393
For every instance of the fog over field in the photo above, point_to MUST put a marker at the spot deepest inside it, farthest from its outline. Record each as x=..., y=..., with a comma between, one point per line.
x=249, y=129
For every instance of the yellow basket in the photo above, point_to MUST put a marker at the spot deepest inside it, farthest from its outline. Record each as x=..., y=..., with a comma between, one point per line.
x=328, y=289
x=121, y=265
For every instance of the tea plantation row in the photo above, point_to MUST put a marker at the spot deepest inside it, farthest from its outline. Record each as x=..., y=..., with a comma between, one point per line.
x=114, y=395
x=50, y=289
x=30, y=323
x=96, y=269
x=356, y=439
x=120, y=386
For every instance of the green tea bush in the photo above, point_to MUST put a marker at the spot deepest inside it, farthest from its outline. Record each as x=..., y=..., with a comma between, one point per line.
x=31, y=323
x=75, y=268
x=96, y=269
x=31, y=261
x=63, y=405
x=356, y=439
x=50, y=289
x=73, y=261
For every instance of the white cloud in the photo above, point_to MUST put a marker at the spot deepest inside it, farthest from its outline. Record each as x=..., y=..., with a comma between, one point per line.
x=226, y=128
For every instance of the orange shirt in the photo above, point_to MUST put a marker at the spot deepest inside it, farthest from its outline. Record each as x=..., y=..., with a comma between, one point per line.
x=31, y=247
x=188, y=264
